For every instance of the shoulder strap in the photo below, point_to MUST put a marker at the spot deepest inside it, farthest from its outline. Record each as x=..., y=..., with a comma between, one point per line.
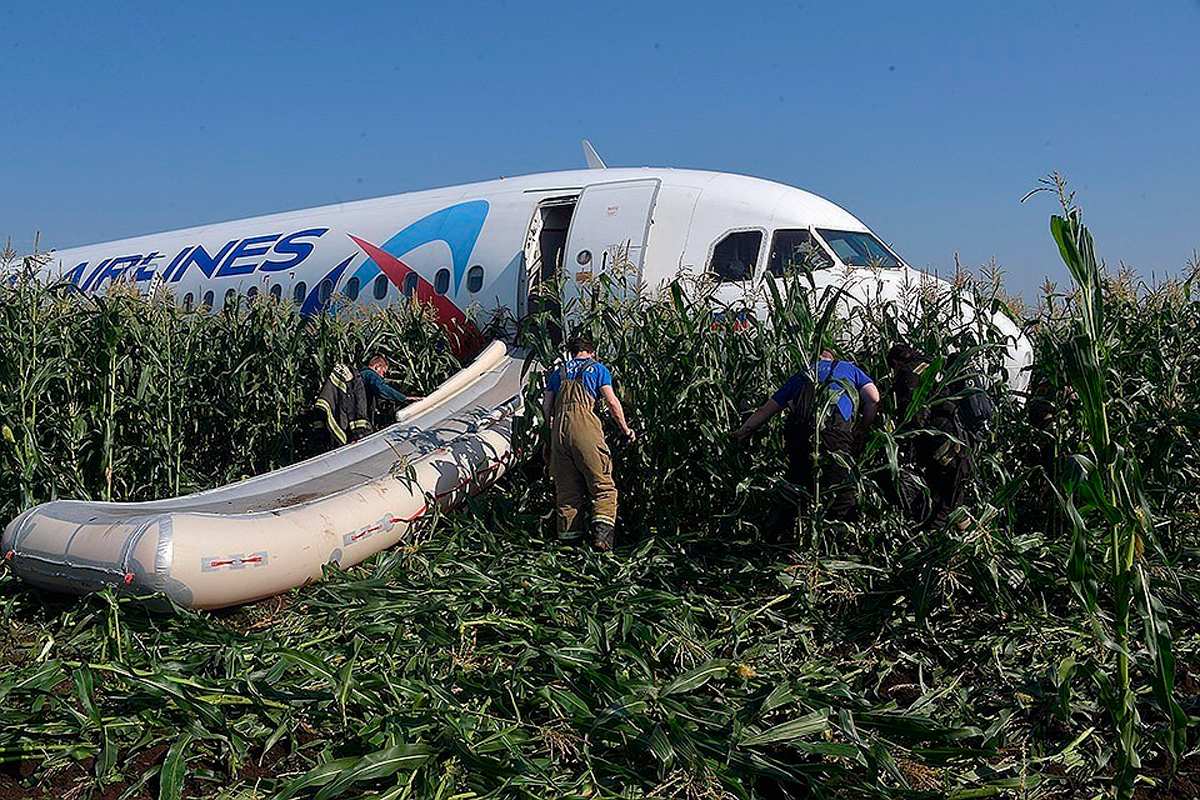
x=801, y=403
x=826, y=398
x=582, y=368
x=829, y=378
x=805, y=399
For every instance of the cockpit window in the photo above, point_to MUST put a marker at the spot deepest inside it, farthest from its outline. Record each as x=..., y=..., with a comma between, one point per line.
x=858, y=249
x=734, y=256
x=796, y=249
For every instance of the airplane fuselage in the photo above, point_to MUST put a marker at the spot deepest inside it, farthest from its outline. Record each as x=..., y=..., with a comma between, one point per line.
x=487, y=245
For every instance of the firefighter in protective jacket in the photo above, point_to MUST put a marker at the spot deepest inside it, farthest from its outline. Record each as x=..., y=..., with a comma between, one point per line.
x=941, y=452
x=342, y=407
x=579, y=458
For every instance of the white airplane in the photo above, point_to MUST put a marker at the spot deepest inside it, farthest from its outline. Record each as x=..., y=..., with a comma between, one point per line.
x=489, y=246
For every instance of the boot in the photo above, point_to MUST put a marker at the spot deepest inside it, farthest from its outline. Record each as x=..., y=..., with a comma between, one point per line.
x=602, y=536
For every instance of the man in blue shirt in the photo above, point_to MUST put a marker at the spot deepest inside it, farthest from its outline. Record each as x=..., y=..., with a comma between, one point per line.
x=826, y=406
x=579, y=458
x=372, y=377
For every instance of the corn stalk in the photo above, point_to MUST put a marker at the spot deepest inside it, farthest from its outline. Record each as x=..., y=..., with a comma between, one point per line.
x=1109, y=512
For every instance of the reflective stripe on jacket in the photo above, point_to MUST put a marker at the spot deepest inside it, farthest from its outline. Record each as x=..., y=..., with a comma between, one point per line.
x=342, y=405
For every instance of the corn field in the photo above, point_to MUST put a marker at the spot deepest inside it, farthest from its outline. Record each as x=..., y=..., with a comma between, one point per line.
x=1048, y=647
x=119, y=398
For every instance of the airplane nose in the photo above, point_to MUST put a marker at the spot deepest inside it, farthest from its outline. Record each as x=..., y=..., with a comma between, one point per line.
x=1018, y=355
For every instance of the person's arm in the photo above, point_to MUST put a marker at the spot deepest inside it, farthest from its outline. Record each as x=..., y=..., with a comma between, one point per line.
x=618, y=411
x=379, y=387
x=761, y=415
x=360, y=426
x=868, y=405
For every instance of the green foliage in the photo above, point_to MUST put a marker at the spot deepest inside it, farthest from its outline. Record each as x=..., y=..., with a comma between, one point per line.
x=127, y=398
x=1108, y=510
x=690, y=367
x=699, y=661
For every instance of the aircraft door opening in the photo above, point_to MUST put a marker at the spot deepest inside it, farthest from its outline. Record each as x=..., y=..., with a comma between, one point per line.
x=545, y=244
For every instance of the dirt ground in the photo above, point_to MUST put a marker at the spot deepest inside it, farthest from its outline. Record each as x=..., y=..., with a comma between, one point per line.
x=77, y=782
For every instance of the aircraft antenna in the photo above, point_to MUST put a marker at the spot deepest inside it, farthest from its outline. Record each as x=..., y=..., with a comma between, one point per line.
x=594, y=161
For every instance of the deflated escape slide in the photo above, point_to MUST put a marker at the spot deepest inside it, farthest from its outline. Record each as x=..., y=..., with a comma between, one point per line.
x=273, y=532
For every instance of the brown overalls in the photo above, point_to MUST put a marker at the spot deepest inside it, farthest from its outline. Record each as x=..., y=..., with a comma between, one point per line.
x=580, y=462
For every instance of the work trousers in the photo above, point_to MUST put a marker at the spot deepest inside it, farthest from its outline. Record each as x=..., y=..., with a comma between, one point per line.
x=944, y=465
x=580, y=462
x=837, y=438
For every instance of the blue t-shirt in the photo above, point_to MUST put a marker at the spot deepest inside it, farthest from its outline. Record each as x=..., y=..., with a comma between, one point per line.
x=595, y=376
x=844, y=371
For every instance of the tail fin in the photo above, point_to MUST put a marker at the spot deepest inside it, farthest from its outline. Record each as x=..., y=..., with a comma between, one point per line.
x=594, y=161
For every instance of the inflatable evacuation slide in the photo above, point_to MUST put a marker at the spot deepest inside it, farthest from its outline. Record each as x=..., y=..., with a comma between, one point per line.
x=273, y=532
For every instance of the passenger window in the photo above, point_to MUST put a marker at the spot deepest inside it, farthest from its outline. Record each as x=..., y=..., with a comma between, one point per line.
x=189, y=301
x=324, y=291
x=230, y=299
x=252, y=293
x=441, y=281
x=796, y=249
x=352, y=289
x=410, y=284
x=300, y=292
x=277, y=291
x=381, y=287
x=475, y=279
x=208, y=299
x=734, y=256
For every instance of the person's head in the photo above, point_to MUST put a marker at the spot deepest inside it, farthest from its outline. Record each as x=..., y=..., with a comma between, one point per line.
x=378, y=363
x=828, y=346
x=904, y=356
x=581, y=344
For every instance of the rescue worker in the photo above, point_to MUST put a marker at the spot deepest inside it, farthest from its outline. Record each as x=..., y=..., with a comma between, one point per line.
x=942, y=454
x=579, y=458
x=1050, y=398
x=843, y=420
x=373, y=379
x=342, y=407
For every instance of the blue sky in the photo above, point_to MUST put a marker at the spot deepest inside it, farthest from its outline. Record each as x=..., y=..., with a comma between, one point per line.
x=928, y=121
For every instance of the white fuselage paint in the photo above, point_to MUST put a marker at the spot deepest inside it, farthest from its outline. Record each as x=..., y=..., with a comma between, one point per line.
x=485, y=237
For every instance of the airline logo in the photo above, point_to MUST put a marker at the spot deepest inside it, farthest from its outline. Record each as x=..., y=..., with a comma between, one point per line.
x=273, y=252
x=458, y=226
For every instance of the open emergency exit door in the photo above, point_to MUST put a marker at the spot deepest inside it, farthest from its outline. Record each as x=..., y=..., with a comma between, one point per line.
x=608, y=237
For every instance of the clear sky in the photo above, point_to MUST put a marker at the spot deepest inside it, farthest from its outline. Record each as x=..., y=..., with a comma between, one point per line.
x=929, y=121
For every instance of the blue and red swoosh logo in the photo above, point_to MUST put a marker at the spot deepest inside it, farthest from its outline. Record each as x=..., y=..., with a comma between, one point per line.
x=458, y=226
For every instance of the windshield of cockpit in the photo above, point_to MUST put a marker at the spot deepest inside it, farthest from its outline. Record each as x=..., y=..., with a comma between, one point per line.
x=796, y=249
x=857, y=249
